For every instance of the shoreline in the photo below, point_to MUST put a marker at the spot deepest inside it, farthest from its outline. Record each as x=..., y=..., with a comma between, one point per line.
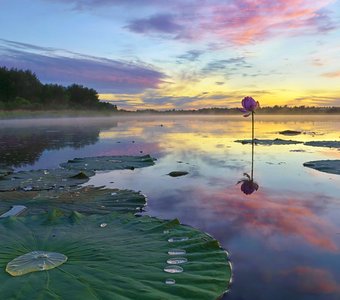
x=51, y=114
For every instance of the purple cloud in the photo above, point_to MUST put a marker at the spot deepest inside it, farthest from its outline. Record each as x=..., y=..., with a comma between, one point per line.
x=162, y=23
x=191, y=55
x=238, y=22
x=105, y=75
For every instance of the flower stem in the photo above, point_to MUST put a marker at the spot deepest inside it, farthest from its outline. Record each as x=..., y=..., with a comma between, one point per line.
x=252, y=145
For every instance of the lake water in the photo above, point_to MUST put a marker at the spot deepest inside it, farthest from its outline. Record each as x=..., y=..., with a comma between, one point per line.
x=283, y=239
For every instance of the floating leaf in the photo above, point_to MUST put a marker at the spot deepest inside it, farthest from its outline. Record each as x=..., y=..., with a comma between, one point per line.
x=269, y=142
x=126, y=259
x=43, y=179
x=329, y=144
x=105, y=163
x=87, y=200
x=4, y=171
x=290, y=132
x=177, y=173
x=327, y=166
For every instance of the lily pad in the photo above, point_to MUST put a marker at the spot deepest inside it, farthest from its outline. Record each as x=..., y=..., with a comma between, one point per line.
x=290, y=132
x=327, y=166
x=269, y=142
x=43, y=179
x=328, y=144
x=105, y=163
x=4, y=171
x=177, y=173
x=115, y=256
x=89, y=200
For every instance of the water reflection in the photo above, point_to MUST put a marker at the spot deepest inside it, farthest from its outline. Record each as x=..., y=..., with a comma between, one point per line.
x=248, y=185
x=24, y=145
x=284, y=239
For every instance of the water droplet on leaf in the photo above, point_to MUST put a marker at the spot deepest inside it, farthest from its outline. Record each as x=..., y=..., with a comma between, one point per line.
x=176, y=260
x=173, y=269
x=177, y=252
x=170, y=281
x=177, y=239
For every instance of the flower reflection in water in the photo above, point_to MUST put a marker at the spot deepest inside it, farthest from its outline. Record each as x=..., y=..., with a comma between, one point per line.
x=248, y=185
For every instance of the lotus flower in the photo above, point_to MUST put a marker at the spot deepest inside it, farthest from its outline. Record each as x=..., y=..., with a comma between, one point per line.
x=248, y=185
x=249, y=106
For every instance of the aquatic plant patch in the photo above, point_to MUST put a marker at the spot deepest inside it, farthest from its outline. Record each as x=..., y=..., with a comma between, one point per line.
x=88, y=200
x=178, y=173
x=328, y=144
x=43, y=179
x=327, y=166
x=290, y=132
x=114, y=256
x=4, y=171
x=269, y=142
x=106, y=163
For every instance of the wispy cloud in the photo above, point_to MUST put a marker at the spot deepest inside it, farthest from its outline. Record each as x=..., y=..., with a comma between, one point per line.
x=160, y=23
x=201, y=100
x=65, y=67
x=238, y=22
x=316, y=100
x=244, y=22
x=225, y=67
x=191, y=55
x=334, y=74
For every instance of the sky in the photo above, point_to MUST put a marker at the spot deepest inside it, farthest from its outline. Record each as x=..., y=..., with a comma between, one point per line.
x=180, y=54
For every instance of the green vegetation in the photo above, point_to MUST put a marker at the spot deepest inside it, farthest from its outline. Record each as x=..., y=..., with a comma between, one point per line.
x=104, y=163
x=37, y=180
x=21, y=89
x=113, y=256
x=327, y=166
x=73, y=242
x=86, y=200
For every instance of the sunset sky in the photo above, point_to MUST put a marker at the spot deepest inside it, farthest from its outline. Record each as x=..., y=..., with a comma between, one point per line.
x=180, y=53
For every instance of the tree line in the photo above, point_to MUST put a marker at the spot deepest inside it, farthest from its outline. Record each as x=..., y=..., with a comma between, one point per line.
x=267, y=110
x=21, y=89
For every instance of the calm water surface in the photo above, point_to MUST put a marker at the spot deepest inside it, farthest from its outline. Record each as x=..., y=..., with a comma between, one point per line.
x=284, y=239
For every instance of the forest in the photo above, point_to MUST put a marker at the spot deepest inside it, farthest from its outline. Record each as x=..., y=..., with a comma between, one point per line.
x=21, y=89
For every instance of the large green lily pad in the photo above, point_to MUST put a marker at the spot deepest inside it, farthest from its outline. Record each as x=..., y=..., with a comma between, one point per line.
x=328, y=144
x=269, y=142
x=115, y=256
x=105, y=163
x=87, y=200
x=43, y=179
x=327, y=166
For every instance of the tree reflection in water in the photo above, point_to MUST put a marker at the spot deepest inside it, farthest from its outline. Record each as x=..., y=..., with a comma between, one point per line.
x=20, y=146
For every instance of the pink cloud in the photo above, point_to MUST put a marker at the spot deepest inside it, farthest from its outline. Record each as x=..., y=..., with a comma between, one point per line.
x=331, y=74
x=243, y=21
x=238, y=22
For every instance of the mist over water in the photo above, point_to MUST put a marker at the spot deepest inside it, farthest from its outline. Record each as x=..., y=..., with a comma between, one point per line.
x=284, y=238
